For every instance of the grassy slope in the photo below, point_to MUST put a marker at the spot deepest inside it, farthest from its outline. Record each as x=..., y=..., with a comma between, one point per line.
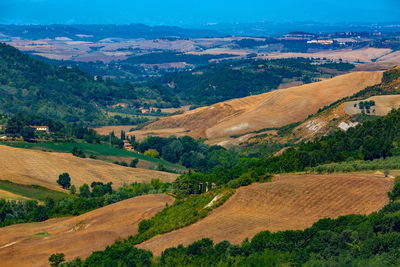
x=181, y=214
x=30, y=191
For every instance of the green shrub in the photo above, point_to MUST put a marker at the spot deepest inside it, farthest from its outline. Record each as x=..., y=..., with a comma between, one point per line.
x=64, y=180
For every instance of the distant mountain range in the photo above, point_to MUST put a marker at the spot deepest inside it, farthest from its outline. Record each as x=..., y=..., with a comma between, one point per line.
x=132, y=31
x=98, y=32
x=271, y=29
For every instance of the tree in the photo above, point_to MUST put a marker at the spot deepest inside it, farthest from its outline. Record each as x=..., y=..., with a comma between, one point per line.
x=173, y=151
x=395, y=192
x=64, y=180
x=84, y=191
x=28, y=133
x=72, y=189
x=40, y=214
x=56, y=258
x=78, y=152
x=133, y=163
x=183, y=185
x=152, y=153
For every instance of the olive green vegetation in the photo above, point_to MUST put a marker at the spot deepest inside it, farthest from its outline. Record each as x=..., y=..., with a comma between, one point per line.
x=42, y=235
x=213, y=83
x=391, y=163
x=182, y=213
x=31, y=191
x=53, y=204
x=66, y=94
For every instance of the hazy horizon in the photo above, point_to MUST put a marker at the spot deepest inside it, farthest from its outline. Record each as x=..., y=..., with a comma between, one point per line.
x=189, y=13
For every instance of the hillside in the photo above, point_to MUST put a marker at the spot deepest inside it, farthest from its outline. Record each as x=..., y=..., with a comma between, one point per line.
x=222, y=81
x=344, y=114
x=290, y=202
x=25, y=166
x=63, y=93
x=269, y=110
x=31, y=244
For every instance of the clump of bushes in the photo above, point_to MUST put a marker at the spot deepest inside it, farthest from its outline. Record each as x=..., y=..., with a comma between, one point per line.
x=77, y=152
x=390, y=163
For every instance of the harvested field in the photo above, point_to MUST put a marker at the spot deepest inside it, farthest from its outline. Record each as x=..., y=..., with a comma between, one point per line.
x=31, y=244
x=365, y=55
x=25, y=166
x=269, y=110
x=290, y=202
x=383, y=105
x=392, y=57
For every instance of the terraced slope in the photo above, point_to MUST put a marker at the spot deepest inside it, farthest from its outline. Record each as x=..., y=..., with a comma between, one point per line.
x=289, y=202
x=273, y=109
x=25, y=166
x=31, y=244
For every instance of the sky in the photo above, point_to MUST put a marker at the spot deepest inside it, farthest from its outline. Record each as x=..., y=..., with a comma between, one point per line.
x=195, y=12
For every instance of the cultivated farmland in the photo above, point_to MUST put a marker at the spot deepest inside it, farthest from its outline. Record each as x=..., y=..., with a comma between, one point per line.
x=290, y=202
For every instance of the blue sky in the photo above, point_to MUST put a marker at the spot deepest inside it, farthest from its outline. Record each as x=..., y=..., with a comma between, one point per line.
x=190, y=12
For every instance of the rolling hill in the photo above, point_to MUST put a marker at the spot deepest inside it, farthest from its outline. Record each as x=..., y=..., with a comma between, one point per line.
x=269, y=110
x=31, y=244
x=290, y=202
x=26, y=166
x=344, y=114
x=63, y=93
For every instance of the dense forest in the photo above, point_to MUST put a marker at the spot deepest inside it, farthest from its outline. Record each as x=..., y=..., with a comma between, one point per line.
x=63, y=93
x=219, y=82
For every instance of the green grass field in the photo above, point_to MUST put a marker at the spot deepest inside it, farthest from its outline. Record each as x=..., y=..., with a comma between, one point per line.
x=30, y=191
x=8, y=197
x=92, y=149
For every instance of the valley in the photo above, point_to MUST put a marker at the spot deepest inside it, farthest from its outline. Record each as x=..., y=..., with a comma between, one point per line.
x=222, y=145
